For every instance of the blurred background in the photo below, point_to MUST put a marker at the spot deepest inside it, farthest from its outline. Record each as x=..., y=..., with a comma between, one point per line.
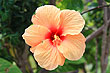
x=15, y=17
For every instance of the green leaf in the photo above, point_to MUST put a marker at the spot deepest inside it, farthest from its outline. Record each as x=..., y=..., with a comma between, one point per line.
x=7, y=67
x=71, y=4
x=4, y=64
x=65, y=68
x=80, y=61
x=107, y=0
x=71, y=65
x=108, y=66
x=4, y=16
x=14, y=69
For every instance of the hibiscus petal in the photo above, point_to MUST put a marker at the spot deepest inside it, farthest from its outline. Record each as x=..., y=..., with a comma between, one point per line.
x=73, y=46
x=48, y=56
x=47, y=15
x=71, y=22
x=35, y=34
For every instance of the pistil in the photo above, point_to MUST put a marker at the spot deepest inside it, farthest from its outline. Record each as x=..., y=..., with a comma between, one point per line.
x=56, y=40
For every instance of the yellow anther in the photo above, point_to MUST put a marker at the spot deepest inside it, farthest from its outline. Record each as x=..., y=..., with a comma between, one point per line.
x=56, y=40
x=56, y=37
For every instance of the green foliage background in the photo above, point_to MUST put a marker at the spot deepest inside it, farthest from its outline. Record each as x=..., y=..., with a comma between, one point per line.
x=15, y=17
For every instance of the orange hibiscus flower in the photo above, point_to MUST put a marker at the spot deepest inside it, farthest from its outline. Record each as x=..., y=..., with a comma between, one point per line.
x=55, y=35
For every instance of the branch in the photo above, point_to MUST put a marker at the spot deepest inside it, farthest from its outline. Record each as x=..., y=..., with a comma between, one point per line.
x=109, y=39
x=96, y=33
x=101, y=6
x=96, y=54
x=104, y=57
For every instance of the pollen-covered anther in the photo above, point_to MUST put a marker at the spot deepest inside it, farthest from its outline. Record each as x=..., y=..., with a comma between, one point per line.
x=56, y=40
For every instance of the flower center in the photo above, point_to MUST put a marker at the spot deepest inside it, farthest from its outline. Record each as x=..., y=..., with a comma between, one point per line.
x=55, y=36
x=56, y=40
